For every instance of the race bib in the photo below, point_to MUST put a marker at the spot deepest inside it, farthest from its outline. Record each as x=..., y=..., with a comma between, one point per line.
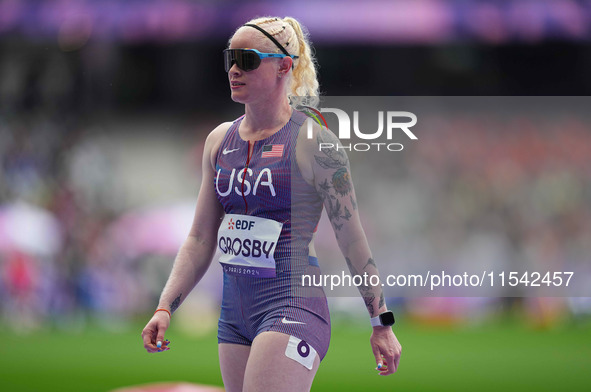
x=247, y=244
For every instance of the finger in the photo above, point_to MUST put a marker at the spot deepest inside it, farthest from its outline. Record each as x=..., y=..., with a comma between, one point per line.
x=390, y=367
x=151, y=347
x=396, y=362
x=377, y=355
x=384, y=367
x=162, y=344
x=160, y=337
x=397, y=358
x=148, y=342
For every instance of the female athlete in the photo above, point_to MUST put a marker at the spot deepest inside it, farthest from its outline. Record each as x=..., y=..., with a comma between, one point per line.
x=265, y=183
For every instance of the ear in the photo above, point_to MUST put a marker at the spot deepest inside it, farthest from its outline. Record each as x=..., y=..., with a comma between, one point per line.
x=285, y=65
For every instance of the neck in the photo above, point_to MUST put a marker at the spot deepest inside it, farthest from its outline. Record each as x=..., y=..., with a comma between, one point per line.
x=267, y=115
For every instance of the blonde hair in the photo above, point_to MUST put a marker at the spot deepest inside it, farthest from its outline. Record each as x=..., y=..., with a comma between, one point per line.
x=295, y=39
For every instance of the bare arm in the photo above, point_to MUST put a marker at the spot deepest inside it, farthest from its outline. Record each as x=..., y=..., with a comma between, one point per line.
x=196, y=253
x=329, y=171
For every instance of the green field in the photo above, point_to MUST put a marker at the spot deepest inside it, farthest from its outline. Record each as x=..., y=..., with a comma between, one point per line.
x=499, y=357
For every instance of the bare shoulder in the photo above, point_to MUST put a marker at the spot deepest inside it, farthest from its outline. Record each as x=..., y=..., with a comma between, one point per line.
x=317, y=149
x=215, y=137
x=306, y=147
x=214, y=140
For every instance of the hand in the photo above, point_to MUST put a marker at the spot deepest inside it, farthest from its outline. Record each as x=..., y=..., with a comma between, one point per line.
x=386, y=350
x=153, y=333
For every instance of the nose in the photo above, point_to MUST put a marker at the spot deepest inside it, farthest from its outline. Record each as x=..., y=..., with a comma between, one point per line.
x=234, y=70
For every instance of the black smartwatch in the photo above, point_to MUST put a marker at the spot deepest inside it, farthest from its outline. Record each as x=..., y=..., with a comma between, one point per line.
x=385, y=319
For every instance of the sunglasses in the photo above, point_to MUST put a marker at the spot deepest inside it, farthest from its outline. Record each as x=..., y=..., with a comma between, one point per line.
x=248, y=59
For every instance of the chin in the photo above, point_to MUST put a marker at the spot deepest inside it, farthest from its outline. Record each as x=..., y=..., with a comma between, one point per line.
x=239, y=97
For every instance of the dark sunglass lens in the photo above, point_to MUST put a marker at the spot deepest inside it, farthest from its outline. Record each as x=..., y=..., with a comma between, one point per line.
x=250, y=61
x=244, y=59
x=228, y=59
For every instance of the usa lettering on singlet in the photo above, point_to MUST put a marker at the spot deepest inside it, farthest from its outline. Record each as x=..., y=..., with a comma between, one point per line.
x=264, y=178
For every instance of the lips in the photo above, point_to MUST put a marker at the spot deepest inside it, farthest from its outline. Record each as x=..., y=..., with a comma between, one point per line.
x=236, y=83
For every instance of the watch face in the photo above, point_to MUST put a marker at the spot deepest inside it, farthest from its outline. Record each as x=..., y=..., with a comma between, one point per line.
x=387, y=318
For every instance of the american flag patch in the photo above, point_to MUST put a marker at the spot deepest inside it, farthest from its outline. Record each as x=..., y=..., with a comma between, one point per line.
x=272, y=150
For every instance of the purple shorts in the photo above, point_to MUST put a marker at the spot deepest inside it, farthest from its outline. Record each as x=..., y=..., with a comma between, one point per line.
x=254, y=305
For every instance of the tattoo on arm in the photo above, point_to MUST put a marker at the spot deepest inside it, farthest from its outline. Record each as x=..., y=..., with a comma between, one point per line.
x=350, y=265
x=370, y=262
x=175, y=304
x=347, y=214
x=340, y=182
x=353, y=202
x=335, y=210
x=369, y=303
x=366, y=291
x=333, y=158
x=324, y=187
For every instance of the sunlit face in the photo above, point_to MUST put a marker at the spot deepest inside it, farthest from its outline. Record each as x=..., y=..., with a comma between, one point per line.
x=255, y=85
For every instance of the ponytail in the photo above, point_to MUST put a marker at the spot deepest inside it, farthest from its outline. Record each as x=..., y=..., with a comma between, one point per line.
x=305, y=80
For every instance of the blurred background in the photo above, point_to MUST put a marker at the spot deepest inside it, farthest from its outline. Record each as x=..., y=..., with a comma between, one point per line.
x=104, y=108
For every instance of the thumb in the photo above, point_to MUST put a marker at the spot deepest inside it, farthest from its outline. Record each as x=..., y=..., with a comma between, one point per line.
x=160, y=336
x=378, y=356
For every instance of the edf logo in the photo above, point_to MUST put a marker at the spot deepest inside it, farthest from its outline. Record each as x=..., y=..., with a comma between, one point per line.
x=241, y=224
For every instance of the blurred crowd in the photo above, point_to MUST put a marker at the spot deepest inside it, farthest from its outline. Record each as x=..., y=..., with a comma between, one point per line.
x=54, y=206
x=505, y=194
x=56, y=198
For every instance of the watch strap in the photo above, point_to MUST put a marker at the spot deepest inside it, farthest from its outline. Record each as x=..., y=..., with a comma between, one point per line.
x=375, y=321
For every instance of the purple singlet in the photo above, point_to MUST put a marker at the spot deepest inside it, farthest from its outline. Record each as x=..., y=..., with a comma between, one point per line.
x=271, y=214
